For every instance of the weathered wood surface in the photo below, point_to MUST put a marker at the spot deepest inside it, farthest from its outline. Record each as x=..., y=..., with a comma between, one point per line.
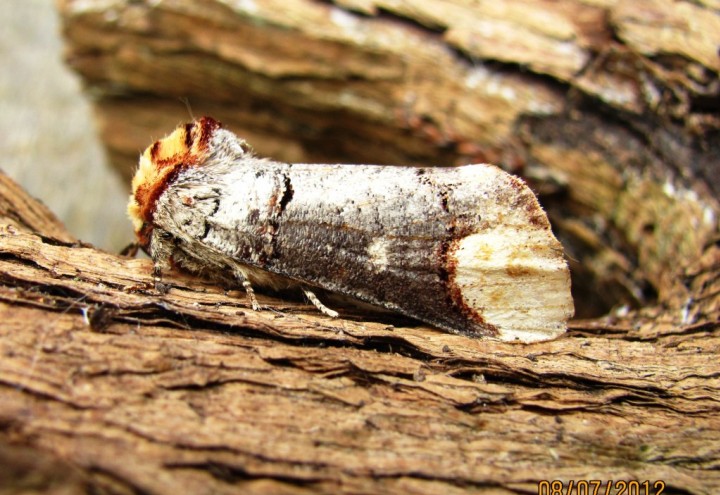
x=608, y=107
x=107, y=385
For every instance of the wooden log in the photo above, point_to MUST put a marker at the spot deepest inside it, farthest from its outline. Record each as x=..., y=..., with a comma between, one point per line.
x=108, y=386
x=608, y=108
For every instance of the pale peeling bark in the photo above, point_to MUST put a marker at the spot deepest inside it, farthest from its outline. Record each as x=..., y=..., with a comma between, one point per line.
x=106, y=384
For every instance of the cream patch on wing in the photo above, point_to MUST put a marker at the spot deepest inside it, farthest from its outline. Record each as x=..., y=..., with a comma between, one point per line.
x=516, y=280
x=377, y=253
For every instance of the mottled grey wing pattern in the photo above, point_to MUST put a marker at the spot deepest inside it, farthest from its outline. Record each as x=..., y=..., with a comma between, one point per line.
x=413, y=240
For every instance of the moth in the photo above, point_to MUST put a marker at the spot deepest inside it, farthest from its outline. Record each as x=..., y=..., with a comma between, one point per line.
x=466, y=249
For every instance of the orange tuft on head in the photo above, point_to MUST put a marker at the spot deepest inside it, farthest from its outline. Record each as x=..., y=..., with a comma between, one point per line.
x=160, y=163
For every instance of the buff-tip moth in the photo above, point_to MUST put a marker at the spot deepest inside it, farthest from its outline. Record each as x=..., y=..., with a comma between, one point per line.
x=466, y=249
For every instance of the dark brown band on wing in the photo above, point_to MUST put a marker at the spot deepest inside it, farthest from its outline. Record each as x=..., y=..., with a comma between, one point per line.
x=454, y=292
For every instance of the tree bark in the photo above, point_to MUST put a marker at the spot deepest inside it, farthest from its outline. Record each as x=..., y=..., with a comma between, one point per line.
x=609, y=109
x=110, y=387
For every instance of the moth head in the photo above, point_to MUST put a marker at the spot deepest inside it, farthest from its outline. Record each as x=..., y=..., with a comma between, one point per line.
x=187, y=146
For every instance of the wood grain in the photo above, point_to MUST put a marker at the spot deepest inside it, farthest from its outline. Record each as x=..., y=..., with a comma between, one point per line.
x=192, y=391
x=608, y=108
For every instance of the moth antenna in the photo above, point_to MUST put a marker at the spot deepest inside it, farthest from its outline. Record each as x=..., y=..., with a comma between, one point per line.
x=185, y=100
x=319, y=305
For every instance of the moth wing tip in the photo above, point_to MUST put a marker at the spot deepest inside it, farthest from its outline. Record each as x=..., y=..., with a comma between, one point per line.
x=516, y=283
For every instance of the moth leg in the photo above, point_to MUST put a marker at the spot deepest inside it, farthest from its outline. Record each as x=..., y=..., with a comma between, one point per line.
x=319, y=305
x=160, y=287
x=242, y=278
x=251, y=294
x=161, y=249
x=130, y=250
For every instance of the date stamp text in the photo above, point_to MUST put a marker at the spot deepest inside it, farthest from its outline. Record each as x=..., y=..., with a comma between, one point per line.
x=600, y=487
